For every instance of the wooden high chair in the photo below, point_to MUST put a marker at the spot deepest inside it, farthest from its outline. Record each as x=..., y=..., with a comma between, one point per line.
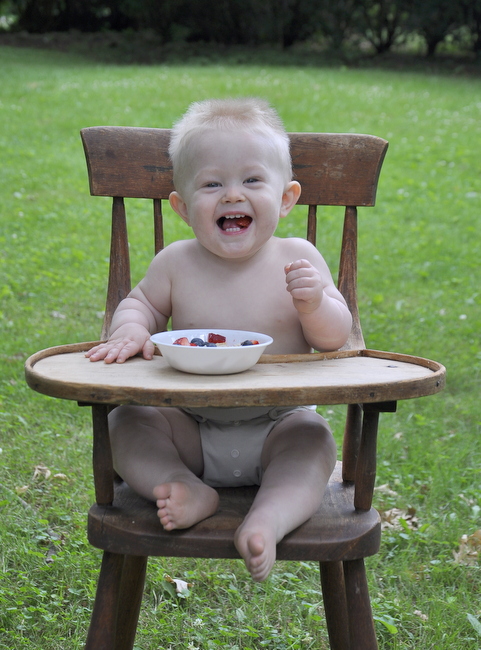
x=333, y=169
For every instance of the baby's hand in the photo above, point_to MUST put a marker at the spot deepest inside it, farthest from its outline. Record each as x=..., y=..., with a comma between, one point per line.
x=122, y=346
x=304, y=282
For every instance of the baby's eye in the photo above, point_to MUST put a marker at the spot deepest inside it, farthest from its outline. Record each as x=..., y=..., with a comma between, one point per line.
x=212, y=184
x=252, y=179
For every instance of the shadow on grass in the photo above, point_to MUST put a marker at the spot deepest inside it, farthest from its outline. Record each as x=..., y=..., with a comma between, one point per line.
x=145, y=48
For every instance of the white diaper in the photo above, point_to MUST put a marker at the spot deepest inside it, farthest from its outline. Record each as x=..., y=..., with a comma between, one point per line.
x=233, y=439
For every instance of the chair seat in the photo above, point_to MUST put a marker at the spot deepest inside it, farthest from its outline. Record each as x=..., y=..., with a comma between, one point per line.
x=336, y=532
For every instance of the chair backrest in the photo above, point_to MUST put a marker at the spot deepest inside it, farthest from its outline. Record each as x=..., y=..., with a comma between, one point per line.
x=334, y=169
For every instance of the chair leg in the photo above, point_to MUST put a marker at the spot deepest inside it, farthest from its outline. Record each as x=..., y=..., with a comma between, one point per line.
x=103, y=623
x=130, y=599
x=361, y=624
x=117, y=602
x=335, y=605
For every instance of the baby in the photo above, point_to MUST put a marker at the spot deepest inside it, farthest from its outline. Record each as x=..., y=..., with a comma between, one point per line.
x=233, y=182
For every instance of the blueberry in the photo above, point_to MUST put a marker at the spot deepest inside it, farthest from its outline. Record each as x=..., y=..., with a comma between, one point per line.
x=247, y=343
x=210, y=345
x=199, y=342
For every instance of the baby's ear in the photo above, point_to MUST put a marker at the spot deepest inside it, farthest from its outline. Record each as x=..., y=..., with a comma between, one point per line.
x=291, y=195
x=178, y=205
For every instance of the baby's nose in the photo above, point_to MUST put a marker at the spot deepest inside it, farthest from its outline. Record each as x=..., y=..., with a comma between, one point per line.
x=233, y=194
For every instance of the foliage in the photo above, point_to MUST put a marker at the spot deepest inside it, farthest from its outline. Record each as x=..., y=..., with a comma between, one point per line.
x=384, y=22
x=419, y=294
x=381, y=23
x=436, y=19
x=56, y=15
x=472, y=20
x=338, y=21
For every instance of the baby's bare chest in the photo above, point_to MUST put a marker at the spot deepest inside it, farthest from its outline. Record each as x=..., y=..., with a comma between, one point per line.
x=249, y=300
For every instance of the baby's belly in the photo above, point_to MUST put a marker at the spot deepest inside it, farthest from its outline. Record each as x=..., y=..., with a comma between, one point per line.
x=286, y=330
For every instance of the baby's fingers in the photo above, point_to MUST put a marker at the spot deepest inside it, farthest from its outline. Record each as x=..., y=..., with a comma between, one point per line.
x=300, y=276
x=118, y=350
x=122, y=351
x=148, y=350
x=98, y=352
x=298, y=264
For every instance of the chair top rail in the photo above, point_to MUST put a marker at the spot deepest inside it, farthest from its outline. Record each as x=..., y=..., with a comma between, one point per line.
x=133, y=162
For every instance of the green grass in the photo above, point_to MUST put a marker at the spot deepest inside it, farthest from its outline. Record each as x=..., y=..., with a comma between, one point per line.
x=419, y=287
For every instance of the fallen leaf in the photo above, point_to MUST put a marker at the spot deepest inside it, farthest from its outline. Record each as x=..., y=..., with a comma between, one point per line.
x=422, y=616
x=475, y=623
x=469, y=549
x=386, y=490
x=180, y=585
x=41, y=471
x=21, y=490
x=391, y=519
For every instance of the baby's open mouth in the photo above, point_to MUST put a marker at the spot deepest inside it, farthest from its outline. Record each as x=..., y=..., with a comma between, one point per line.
x=234, y=223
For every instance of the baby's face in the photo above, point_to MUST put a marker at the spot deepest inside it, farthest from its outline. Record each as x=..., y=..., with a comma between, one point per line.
x=234, y=193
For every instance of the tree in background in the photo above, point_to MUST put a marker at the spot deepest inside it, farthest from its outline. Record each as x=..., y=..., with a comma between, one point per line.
x=42, y=16
x=159, y=15
x=383, y=22
x=338, y=21
x=247, y=22
x=434, y=20
x=471, y=20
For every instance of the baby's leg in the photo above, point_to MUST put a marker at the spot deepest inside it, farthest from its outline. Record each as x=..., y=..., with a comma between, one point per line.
x=159, y=454
x=298, y=458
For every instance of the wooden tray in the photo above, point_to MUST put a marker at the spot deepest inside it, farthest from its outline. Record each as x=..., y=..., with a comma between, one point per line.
x=348, y=377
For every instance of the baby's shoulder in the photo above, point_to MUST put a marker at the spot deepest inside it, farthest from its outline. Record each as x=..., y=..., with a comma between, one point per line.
x=174, y=256
x=180, y=245
x=295, y=246
x=179, y=249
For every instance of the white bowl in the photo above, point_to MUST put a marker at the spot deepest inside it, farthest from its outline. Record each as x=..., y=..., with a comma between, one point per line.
x=225, y=359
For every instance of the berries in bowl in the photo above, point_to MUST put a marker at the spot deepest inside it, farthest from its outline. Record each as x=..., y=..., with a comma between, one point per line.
x=211, y=352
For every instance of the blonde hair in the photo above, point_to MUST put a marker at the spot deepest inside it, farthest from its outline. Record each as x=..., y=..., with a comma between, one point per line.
x=245, y=114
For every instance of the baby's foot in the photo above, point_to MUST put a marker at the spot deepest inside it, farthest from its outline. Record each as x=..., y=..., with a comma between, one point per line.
x=258, y=549
x=183, y=504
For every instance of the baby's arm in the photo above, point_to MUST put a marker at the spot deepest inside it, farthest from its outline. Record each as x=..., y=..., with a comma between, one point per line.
x=136, y=318
x=323, y=313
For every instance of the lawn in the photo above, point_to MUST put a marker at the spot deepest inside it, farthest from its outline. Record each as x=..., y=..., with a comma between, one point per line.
x=419, y=289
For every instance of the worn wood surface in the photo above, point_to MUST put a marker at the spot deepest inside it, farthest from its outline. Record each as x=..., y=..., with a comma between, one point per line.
x=362, y=634
x=332, y=168
x=131, y=526
x=335, y=604
x=335, y=378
